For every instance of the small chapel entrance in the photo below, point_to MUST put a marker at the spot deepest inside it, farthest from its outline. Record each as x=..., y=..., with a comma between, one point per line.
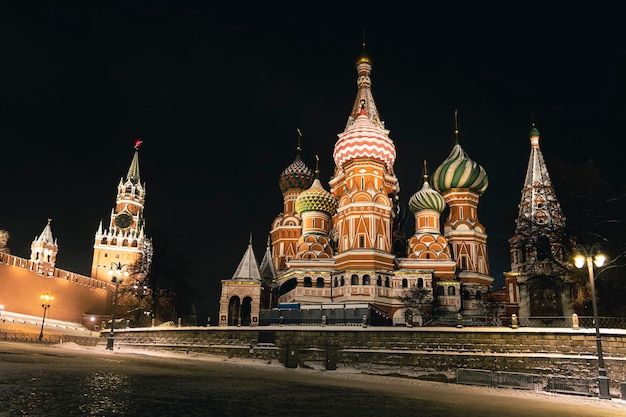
x=239, y=313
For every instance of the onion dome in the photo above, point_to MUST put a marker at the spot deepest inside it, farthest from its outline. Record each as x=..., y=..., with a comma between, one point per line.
x=459, y=171
x=297, y=175
x=534, y=131
x=426, y=199
x=363, y=58
x=316, y=198
x=534, y=137
x=364, y=139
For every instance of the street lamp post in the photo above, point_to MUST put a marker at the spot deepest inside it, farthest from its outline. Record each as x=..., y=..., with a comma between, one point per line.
x=117, y=272
x=46, y=298
x=592, y=257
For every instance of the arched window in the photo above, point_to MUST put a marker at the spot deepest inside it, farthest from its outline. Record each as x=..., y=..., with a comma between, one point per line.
x=319, y=283
x=479, y=295
x=335, y=282
x=366, y=279
x=287, y=286
x=354, y=279
x=308, y=282
x=405, y=283
x=379, y=281
x=451, y=290
x=420, y=283
x=387, y=282
x=343, y=281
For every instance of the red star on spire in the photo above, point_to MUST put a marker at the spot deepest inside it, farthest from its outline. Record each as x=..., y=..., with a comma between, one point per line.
x=137, y=143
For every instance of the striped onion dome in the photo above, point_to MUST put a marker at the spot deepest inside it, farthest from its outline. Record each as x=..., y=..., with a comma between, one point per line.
x=459, y=171
x=426, y=199
x=316, y=198
x=364, y=139
x=297, y=175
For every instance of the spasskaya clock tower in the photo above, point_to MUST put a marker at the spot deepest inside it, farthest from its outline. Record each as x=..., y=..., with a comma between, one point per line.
x=123, y=241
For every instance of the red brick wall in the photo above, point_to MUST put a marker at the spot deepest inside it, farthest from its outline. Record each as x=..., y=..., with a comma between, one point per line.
x=74, y=295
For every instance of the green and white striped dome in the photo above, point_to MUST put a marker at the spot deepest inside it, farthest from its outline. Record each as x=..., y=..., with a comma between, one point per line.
x=459, y=171
x=426, y=199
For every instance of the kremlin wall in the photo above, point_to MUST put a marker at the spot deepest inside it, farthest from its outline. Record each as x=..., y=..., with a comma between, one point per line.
x=77, y=298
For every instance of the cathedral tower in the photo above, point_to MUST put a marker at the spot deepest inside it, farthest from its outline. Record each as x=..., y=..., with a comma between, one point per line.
x=538, y=280
x=364, y=185
x=461, y=182
x=286, y=227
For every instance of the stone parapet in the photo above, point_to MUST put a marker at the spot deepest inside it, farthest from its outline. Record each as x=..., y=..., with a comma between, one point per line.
x=428, y=353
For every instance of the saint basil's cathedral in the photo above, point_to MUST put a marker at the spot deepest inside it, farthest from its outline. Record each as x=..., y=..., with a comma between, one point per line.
x=343, y=245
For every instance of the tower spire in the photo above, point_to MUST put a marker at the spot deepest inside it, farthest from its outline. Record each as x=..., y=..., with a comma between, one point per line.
x=364, y=93
x=299, y=148
x=133, y=170
x=317, y=166
x=456, y=126
x=363, y=41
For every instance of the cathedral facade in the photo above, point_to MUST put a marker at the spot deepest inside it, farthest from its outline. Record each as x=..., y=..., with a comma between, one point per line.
x=343, y=245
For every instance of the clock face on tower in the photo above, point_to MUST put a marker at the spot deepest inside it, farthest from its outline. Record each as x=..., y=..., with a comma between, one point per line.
x=123, y=220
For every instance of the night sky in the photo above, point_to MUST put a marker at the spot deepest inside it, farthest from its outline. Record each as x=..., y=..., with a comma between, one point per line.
x=217, y=94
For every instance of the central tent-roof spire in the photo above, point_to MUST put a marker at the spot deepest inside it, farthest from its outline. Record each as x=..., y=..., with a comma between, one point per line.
x=364, y=93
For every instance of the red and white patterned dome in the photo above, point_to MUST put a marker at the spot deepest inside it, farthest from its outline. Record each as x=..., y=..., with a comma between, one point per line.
x=364, y=139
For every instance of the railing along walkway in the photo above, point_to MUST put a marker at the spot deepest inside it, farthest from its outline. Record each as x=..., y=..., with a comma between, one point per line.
x=534, y=382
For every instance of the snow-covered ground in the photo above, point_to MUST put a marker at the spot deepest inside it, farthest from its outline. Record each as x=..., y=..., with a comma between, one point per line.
x=356, y=375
